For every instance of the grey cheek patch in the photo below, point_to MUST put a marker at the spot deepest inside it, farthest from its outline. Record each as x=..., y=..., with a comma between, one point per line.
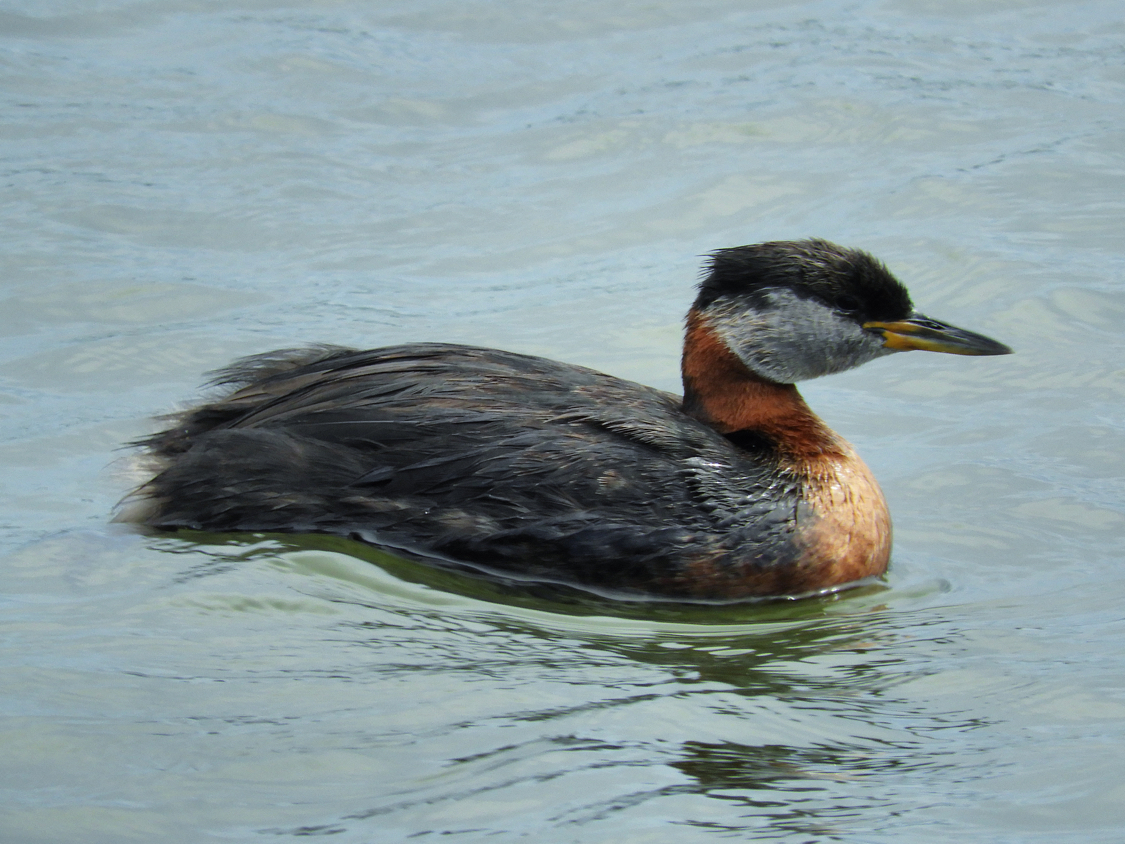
x=787, y=338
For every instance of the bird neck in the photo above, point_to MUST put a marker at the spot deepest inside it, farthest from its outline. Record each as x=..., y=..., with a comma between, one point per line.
x=848, y=535
x=722, y=392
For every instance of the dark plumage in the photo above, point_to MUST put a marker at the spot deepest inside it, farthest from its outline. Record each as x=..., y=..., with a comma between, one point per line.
x=554, y=472
x=813, y=268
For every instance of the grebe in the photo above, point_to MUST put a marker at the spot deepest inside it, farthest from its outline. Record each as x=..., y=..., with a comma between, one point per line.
x=525, y=467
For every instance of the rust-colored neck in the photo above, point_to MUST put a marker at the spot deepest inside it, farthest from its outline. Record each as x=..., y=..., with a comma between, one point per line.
x=721, y=391
x=848, y=535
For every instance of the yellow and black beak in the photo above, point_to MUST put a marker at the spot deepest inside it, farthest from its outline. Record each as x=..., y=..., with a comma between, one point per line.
x=929, y=335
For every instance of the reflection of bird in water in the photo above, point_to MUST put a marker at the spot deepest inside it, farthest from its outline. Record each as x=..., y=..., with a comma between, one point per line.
x=548, y=471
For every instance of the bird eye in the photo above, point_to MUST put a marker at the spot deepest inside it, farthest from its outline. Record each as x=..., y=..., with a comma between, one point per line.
x=847, y=303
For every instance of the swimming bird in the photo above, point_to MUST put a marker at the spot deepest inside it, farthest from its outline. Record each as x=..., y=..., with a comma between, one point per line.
x=537, y=470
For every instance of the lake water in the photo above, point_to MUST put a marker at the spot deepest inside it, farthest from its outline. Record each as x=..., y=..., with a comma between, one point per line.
x=187, y=181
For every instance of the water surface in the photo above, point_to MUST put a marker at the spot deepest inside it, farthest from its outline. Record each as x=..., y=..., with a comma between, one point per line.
x=186, y=182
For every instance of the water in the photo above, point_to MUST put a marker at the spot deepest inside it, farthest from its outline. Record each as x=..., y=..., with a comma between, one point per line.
x=186, y=182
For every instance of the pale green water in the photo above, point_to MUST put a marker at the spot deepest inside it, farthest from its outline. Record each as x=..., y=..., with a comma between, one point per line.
x=186, y=182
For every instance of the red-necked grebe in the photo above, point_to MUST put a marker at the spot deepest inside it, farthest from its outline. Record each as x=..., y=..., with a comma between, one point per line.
x=547, y=471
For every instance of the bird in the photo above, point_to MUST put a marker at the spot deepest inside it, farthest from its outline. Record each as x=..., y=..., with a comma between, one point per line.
x=528, y=469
